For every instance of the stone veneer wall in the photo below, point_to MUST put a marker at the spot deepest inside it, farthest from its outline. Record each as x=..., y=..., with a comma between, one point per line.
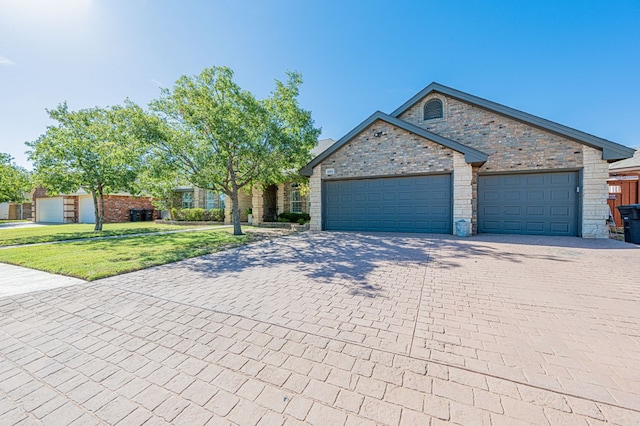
x=315, y=186
x=244, y=201
x=510, y=144
x=594, y=195
x=394, y=152
x=462, y=190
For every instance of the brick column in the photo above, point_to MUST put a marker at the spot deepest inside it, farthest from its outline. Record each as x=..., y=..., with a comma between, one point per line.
x=594, y=194
x=315, y=185
x=462, y=190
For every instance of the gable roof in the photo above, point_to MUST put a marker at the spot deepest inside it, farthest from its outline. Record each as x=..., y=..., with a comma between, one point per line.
x=472, y=156
x=632, y=163
x=611, y=151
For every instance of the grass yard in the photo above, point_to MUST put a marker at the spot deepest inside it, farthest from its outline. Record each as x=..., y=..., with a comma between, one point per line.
x=12, y=220
x=75, y=231
x=95, y=259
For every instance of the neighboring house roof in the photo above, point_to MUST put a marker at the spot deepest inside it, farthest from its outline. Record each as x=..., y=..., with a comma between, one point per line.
x=611, y=151
x=628, y=164
x=472, y=156
x=322, y=145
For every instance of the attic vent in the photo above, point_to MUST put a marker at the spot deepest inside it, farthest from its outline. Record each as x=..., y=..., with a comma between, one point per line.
x=433, y=109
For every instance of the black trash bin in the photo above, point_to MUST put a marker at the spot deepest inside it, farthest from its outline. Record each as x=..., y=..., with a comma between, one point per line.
x=631, y=222
x=135, y=215
x=147, y=214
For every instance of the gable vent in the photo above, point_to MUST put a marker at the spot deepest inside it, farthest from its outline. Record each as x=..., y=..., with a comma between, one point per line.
x=433, y=109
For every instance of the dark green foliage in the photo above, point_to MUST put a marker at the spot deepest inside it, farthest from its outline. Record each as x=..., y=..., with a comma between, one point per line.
x=197, y=215
x=294, y=217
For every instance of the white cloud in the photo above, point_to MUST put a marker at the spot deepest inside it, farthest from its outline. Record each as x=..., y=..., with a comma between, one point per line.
x=6, y=61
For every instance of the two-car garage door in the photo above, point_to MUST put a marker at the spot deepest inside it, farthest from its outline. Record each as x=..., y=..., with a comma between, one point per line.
x=390, y=204
x=529, y=203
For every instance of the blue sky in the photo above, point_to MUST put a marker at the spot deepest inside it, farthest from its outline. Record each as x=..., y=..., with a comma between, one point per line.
x=573, y=62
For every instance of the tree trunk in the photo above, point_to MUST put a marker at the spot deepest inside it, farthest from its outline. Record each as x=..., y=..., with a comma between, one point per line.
x=235, y=211
x=96, y=212
x=100, y=216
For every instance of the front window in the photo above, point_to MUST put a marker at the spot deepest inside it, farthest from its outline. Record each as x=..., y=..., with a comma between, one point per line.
x=213, y=200
x=296, y=201
x=187, y=200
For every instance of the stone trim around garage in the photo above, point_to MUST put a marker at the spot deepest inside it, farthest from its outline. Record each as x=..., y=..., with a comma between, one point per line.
x=594, y=194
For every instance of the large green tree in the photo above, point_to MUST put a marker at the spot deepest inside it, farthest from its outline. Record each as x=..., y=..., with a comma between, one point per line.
x=220, y=137
x=95, y=149
x=14, y=181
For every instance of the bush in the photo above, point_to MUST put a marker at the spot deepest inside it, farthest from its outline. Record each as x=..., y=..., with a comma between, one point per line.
x=294, y=217
x=197, y=215
x=215, y=215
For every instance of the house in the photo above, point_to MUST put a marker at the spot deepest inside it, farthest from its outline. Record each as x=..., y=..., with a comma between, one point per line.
x=445, y=156
x=79, y=208
x=623, y=184
x=15, y=211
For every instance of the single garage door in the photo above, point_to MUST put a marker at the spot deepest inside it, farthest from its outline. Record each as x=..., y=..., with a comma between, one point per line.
x=49, y=210
x=535, y=204
x=87, y=210
x=394, y=204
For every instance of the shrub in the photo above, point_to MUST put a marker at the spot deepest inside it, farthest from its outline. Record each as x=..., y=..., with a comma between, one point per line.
x=197, y=215
x=194, y=215
x=215, y=215
x=294, y=217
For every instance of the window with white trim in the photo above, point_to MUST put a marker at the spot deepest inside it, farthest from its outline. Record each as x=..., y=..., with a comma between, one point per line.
x=187, y=200
x=295, y=199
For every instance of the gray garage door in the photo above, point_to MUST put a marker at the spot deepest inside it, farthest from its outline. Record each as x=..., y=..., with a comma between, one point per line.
x=398, y=204
x=536, y=204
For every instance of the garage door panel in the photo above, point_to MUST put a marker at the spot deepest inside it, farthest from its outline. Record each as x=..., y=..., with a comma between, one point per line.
x=409, y=204
x=560, y=211
x=547, y=204
x=535, y=211
x=535, y=227
x=560, y=227
x=535, y=195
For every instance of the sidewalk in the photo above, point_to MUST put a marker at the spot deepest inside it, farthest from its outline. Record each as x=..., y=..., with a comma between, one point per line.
x=18, y=280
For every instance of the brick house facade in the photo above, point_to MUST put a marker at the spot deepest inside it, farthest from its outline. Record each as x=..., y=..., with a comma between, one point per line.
x=78, y=207
x=481, y=148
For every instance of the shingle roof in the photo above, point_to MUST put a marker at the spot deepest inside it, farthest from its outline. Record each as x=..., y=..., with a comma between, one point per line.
x=629, y=163
x=472, y=156
x=611, y=151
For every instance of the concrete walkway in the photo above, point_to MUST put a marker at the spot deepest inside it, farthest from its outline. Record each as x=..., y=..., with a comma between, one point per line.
x=338, y=329
x=18, y=280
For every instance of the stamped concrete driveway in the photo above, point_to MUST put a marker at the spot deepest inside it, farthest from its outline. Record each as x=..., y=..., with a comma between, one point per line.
x=338, y=328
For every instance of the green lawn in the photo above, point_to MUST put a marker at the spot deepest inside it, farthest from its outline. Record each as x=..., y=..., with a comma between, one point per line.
x=95, y=259
x=75, y=231
x=12, y=220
